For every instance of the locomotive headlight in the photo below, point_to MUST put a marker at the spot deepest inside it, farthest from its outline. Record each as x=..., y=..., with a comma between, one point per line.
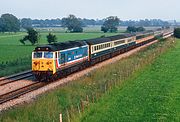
x=35, y=63
x=49, y=63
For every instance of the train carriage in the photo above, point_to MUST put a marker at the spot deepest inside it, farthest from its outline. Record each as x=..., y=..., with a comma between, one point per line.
x=144, y=37
x=168, y=33
x=99, y=49
x=121, y=43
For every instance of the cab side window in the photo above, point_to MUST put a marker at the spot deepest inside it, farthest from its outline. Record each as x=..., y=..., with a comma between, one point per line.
x=62, y=58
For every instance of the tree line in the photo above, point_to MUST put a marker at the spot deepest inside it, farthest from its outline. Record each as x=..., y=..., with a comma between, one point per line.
x=10, y=23
x=57, y=22
x=146, y=23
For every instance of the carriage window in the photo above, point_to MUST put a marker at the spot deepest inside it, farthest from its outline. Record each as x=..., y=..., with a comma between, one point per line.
x=129, y=40
x=108, y=44
x=119, y=42
x=37, y=55
x=48, y=55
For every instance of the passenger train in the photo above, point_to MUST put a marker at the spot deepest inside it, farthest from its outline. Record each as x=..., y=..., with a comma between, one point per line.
x=52, y=61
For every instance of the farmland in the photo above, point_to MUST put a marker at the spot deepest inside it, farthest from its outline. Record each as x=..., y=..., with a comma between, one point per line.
x=131, y=90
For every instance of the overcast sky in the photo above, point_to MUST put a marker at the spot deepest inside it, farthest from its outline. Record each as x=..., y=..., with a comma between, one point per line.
x=124, y=9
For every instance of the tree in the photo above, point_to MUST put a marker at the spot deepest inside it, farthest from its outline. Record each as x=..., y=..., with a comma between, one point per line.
x=72, y=23
x=1, y=25
x=9, y=23
x=104, y=29
x=110, y=24
x=51, y=38
x=140, y=29
x=26, y=23
x=135, y=29
x=32, y=36
x=177, y=32
x=131, y=29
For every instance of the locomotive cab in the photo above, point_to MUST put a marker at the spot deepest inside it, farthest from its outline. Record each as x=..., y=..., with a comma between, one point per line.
x=43, y=61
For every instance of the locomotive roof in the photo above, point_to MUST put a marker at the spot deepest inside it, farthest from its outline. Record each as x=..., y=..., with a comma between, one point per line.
x=61, y=46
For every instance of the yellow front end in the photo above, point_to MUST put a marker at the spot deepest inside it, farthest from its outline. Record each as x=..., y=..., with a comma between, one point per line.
x=41, y=64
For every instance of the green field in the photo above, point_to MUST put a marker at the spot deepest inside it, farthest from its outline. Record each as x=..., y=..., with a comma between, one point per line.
x=14, y=54
x=133, y=98
x=152, y=94
x=11, y=48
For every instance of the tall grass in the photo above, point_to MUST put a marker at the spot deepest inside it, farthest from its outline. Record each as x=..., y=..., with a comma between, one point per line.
x=66, y=99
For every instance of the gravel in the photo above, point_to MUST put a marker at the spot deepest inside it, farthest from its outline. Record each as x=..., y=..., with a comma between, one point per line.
x=14, y=85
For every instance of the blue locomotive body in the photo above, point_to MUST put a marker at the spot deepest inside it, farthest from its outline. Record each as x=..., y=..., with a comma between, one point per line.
x=72, y=56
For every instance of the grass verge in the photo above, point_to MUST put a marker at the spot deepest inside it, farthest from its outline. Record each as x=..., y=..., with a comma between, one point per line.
x=66, y=99
x=151, y=94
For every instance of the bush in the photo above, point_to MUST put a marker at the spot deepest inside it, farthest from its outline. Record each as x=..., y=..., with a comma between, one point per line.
x=135, y=29
x=177, y=32
x=51, y=38
x=32, y=36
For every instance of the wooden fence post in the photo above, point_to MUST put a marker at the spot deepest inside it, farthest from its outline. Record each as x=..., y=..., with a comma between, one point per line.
x=79, y=109
x=87, y=98
x=60, y=117
x=92, y=98
x=82, y=106
x=68, y=117
x=105, y=88
x=96, y=97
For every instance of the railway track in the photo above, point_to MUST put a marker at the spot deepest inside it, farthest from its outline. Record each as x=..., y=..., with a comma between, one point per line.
x=21, y=91
x=16, y=77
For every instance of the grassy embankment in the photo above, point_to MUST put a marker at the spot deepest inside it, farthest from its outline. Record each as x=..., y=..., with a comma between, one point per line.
x=16, y=57
x=151, y=94
x=132, y=100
